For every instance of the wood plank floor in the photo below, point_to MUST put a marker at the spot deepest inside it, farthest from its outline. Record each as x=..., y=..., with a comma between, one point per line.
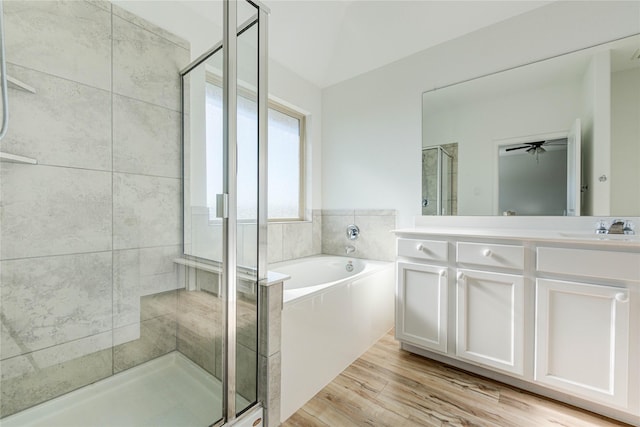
x=391, y=387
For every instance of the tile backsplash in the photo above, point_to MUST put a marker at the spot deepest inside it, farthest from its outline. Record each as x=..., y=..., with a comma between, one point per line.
x=291, y=240
x=326, y=233
x=375, y=240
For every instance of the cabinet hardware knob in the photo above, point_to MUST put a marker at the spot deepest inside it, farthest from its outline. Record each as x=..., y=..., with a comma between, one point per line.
x=487, y=252
x=460, y=276
x=622, y=297
x=420, y=247
x=443, y=273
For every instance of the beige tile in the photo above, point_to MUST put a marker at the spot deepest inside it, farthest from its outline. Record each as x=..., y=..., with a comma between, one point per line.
x=146, y=66
x=42, y=384
x=68, y=39
x=50, y=210
x=161, y=304
x=146, y=138
x=140, y=272
x=297, y=240
x=274, y=238
x=200, y=329
x=247, y=323
x=53, y=300
x=157, y=338
x=246, y=372
x=135, y=19
x=317, y=235
x=63, y=124
x=338, y=212
x=208, y=281
x=271, y=319
x=376, y=240
x=334, y=234
x=146, y=211
x=247, y=248
x=269, y=387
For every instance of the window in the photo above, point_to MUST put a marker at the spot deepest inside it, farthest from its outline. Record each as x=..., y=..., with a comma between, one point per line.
x=286, y=161
x=285, y=156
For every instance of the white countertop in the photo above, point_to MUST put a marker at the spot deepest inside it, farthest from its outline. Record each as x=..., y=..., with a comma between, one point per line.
x=570, y=236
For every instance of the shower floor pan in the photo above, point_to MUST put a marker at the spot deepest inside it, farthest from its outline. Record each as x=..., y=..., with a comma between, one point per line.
x=168, y=391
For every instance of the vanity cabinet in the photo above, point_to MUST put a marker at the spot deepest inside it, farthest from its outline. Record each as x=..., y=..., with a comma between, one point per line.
x=582, y=339
x=490, y=319
x=582, y=328
x=557, y=317
x=421, y=315
x=490, y=305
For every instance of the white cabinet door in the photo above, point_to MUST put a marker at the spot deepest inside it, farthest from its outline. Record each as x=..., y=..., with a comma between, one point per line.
x=582, y=339
x=421, y=311
x=490, y=319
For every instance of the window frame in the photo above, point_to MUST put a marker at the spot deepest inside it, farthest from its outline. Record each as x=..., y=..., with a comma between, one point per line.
x=248, y=92
x=302, y=161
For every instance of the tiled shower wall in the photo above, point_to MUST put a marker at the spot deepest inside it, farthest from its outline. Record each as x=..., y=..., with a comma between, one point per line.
x=88, y=235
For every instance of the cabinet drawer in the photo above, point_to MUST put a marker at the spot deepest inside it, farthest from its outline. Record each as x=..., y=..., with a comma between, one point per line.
x=491, y=255
x=433, y=250
x=589, y=263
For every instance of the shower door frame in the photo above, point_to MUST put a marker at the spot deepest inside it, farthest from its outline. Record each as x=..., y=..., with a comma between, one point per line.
x=229, y=221
x=439, y=196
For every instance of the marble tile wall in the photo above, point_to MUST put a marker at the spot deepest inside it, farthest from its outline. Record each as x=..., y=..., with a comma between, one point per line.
x=291, y=240
x=200, y=332
x=375, y=241
x=89, y=234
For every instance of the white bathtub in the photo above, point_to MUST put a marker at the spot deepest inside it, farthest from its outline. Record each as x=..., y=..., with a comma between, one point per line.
x=329, y=318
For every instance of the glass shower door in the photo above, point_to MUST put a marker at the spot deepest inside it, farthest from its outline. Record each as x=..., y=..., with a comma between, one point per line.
x=222, y=207
x=437, y=181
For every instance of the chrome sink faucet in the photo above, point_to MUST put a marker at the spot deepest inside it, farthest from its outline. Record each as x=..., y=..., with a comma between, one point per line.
x=617, y=226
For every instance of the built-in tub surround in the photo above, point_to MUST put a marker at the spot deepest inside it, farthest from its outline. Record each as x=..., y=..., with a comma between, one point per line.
x=323, y=232
x=89, y=234
x=544, y=304
x=327, y=325
x=374, y=241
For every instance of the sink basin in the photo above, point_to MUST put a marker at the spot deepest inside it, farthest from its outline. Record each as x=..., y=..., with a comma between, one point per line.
x=594, y=236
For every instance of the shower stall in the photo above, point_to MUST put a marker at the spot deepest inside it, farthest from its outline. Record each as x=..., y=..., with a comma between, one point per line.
x=132, y=219
x=438, y=180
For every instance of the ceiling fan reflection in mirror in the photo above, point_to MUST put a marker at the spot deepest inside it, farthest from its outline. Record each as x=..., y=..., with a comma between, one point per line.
x=537, y=147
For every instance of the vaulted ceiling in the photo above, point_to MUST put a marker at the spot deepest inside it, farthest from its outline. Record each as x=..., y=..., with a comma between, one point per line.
x=328, y=41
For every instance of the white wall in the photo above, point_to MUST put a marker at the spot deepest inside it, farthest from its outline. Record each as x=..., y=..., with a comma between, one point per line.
x=372, y=123
x=625, y=141
x=597, y=136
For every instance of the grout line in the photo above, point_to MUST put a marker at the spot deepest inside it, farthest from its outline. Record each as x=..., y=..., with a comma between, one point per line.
x=149, y=30
x=113, y=264
x=110, y=90
x=104, y=251
x=30, y=353
x=93, y=252
x=142, y=101
x=107, y=170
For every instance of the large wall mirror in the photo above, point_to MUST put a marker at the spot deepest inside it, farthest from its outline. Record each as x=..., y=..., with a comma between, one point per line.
x=556, y=137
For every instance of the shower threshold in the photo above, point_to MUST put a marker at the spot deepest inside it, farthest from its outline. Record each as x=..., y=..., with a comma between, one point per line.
x=168, y=391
